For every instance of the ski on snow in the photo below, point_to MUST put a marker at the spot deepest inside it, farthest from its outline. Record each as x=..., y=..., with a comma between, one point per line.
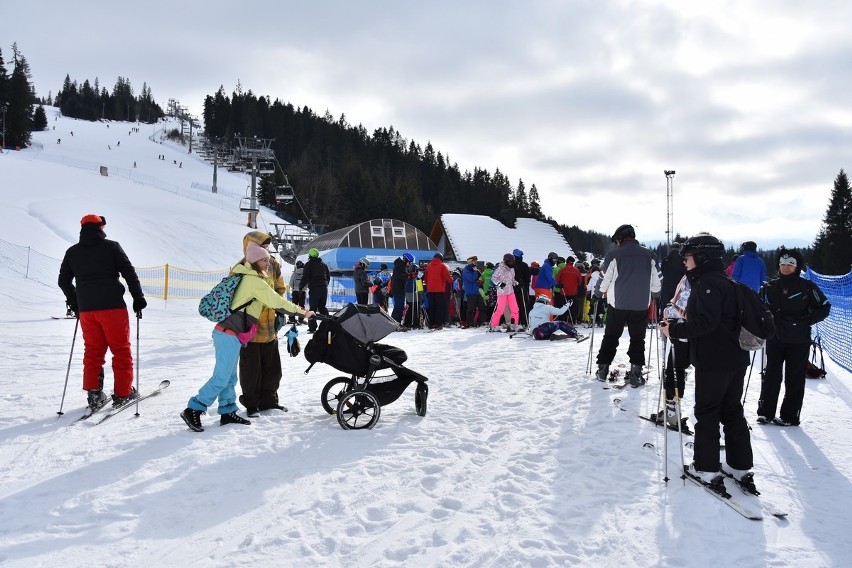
x=90, y=411
x=684, y=428
x=116, y=409
x=767, y=506
x=720, y=492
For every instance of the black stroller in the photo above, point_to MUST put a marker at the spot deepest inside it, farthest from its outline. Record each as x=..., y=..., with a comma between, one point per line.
x=346, y=340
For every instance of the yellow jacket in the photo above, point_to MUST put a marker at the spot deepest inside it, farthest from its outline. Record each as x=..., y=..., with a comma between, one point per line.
x=266, y=320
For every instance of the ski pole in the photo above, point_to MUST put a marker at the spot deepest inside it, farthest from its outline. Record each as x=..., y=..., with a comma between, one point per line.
x=592, y=339
x=68, y=372
x=667, y=345
x=138, y=317
x=748, y=379
x=651, y=339
x=680, y=434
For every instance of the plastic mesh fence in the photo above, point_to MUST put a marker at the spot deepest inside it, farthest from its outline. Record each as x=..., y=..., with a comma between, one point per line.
x=835, y=332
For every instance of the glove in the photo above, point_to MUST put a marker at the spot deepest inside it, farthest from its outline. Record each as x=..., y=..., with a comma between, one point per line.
x=502, y=285
x=139, y=304
x=72, y=308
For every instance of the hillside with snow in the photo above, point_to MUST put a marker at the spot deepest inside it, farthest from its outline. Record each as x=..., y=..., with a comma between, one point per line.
x=521, y=460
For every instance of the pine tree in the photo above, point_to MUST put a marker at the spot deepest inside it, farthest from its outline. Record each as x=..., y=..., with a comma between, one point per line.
x=39, y=118
x=833, y=246
x=535, y=204
x=21, y=100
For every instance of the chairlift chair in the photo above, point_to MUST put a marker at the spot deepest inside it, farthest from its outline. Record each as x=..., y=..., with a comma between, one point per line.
x=265, y=168
x=245, y=205
x=284, y=194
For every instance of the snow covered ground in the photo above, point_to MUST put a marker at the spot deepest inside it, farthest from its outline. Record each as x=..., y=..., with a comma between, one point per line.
x=522, y=459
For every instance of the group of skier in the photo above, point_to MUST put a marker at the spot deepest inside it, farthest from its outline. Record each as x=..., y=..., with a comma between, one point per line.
x=700, y=319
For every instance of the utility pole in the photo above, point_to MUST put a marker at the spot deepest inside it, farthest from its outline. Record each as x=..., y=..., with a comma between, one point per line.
x=669, y=205
x=249, y=151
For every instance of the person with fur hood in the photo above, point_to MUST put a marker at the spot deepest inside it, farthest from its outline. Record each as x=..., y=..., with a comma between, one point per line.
x=504, y=280
x=235, y=332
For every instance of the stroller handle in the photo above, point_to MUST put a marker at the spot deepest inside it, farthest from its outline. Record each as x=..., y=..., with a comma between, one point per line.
x=322, y=317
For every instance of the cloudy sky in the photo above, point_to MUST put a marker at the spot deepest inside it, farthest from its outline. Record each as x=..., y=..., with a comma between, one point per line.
x=748, y=101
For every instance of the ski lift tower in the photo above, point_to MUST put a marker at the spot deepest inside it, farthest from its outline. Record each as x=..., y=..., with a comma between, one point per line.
x=669, y=205
x=257, y=156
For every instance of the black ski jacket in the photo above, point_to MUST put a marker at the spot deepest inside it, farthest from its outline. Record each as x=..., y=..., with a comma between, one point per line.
x=95, y=264
x=796, y=304
x=315, y=274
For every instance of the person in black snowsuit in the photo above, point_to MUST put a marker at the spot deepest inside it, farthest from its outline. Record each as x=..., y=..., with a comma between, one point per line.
x=362, y=283
x=522, y=290
x=796, y=304
x=672, y=271
x=711, y=326
x=397, y=284
x=315, y=277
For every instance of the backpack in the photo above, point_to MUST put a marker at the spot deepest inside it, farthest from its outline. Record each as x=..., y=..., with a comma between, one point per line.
x=216, y=304
x=755, y=320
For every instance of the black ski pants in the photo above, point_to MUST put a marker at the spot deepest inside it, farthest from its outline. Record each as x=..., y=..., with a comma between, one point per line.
x=637, y=324
x=437, y=309
x=317, y=297
x=678, y=361
x=717, y=401
x=793, y=357
x=260, y=374
x=473, y=302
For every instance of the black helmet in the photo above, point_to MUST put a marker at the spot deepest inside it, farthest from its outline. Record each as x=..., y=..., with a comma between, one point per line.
x=749, y=246
x=623, y=232
x=552, y=256
x=300, y=264
x=703, y=247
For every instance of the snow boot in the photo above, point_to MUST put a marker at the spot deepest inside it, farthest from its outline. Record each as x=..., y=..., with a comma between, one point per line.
x=669, y=414
x=637, y=379
x=602, y=373
x=743, y=476
x=96, y=399
x=252, y=412
x=233, y=418
x=192, y=419
x=119, y=400
x=705, y=477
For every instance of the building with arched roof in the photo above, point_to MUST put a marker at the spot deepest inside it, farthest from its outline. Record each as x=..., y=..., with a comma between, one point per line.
x=380, y=241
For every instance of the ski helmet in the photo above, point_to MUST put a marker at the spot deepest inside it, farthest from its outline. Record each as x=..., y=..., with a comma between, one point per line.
x=623, y=232
x=518, y=253
x=748, y=246
x=703, y=247
x=363, y=260
x=508, y=259
x=551, y=256
x=543, y=299
x=408, y=257
x=313, y=253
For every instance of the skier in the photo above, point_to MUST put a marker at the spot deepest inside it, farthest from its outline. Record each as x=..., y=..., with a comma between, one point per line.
x=540, y=324
x=720, y=364
x=362, y=285
x=630, y=279
x=797, y=304
x=315, y=277
x=94, y=265
x=749, y=267
x=504, y=280
x=232, y=334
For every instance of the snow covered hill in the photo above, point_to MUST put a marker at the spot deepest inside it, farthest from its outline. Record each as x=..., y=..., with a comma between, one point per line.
x=522, y=460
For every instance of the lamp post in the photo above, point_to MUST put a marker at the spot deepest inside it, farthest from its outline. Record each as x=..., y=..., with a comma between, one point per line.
x=669, y=204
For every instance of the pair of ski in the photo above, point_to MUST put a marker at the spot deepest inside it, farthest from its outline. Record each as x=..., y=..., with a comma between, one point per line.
x=116, y=409
x=684, y=427
x=750, y=506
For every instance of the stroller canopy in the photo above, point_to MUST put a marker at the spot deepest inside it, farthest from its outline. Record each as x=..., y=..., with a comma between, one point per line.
x=365, y=323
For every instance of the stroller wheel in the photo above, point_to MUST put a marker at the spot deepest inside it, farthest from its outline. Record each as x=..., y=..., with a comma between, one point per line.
x=332, y=392
x=420, y=396
x=357, y=410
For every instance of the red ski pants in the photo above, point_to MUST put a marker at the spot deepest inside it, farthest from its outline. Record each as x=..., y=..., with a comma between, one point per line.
x=104, y=329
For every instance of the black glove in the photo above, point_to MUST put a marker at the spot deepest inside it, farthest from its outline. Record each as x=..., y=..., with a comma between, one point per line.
x=502, y=285
x=139, y=304
x=72, y=308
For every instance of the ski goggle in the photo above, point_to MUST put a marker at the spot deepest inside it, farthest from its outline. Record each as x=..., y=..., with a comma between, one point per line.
x=787, y=259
